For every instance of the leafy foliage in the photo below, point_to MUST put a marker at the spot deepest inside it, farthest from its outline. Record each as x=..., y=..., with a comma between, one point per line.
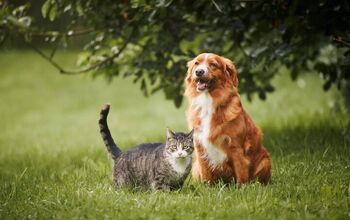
x=152, y=40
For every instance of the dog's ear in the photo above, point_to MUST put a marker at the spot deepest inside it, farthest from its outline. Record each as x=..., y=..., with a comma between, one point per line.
x=230, y=69
x=190, y=63
x=189, y=70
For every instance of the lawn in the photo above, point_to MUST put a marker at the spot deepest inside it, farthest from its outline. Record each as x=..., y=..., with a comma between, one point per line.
x=53, y=163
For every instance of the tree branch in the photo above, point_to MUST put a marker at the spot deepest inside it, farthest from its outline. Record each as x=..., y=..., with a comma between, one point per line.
x=59, y=34
x=339, y=40
x=87, y=69
x=53, y=52
x=216, y=6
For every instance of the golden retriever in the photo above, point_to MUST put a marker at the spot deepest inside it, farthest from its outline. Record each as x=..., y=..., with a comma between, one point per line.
x=227, y=143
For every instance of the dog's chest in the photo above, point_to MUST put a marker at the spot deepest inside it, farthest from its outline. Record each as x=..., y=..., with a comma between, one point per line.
x=203, y=104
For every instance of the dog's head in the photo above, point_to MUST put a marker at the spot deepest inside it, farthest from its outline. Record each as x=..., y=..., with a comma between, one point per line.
x=208, y=71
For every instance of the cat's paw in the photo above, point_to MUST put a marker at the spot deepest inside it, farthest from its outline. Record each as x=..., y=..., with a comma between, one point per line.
x=161, y=187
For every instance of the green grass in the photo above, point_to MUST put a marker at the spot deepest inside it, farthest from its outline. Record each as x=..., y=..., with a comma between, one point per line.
x=53, y=163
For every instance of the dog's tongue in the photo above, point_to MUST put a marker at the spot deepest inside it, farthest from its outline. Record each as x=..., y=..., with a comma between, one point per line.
x=201, y=85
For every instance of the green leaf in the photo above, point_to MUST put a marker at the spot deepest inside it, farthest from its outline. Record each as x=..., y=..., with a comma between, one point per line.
x=262, y=95
x=269, y=88
x=83, y=58
x=53, y=12
x=327, y=85
x=144, y=87
x=79, y=9
x=46, y=8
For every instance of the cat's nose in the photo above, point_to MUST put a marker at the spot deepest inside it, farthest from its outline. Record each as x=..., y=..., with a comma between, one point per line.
x=180, y=154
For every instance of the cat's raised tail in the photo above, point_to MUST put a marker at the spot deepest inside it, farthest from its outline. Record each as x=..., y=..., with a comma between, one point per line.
x=106, y=134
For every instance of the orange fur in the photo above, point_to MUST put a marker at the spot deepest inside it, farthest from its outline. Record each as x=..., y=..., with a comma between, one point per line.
x=232, y=130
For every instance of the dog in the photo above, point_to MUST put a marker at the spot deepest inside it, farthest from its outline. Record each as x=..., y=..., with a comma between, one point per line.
x=227, y=143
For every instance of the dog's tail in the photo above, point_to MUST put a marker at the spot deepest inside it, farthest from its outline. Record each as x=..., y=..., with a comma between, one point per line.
x=106, y=134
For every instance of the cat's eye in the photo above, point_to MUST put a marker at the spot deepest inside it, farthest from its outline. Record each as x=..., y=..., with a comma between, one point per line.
x=186, y=147
x=172, y=148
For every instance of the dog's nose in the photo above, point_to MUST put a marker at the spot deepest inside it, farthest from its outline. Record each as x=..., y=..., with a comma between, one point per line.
x=199, y=72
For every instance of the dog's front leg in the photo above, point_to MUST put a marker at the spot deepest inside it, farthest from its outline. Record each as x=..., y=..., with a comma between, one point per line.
x=241, y=166
x=201, y=169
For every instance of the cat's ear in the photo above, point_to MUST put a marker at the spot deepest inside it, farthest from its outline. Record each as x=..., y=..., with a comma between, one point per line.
x=169, y=133
x=190, y=134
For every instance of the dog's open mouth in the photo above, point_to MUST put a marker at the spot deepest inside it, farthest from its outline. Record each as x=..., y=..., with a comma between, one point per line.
x=202, y=84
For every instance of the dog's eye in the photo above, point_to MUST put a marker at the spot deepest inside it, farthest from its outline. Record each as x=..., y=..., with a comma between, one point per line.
x=196, y=63
x=213, y=65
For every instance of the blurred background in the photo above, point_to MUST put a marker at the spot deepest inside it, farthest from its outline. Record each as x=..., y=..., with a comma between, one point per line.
x=71, y=55
x=61, y=60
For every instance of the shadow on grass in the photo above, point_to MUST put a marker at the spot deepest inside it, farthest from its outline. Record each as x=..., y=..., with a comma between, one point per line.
x=322, y=139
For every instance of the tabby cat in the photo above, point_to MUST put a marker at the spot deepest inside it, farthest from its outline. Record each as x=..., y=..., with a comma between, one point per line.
x=157, y=166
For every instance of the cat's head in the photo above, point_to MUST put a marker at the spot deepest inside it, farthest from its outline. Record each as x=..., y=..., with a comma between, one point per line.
x=179, y=145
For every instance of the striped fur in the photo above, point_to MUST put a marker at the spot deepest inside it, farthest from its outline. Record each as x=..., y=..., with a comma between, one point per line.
x=106, y=134
x=155, y=165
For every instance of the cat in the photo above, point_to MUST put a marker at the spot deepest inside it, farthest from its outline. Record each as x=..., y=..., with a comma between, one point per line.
x=157, y=166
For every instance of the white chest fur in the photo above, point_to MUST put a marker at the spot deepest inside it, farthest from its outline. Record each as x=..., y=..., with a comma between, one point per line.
x=204, y=104
x=180, y=165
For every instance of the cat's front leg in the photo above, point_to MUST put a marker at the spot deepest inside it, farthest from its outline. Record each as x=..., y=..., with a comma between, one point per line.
x=160, y=182
x=160, y=186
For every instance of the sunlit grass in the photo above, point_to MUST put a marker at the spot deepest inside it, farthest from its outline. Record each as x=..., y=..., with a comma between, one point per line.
x=53, y=163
